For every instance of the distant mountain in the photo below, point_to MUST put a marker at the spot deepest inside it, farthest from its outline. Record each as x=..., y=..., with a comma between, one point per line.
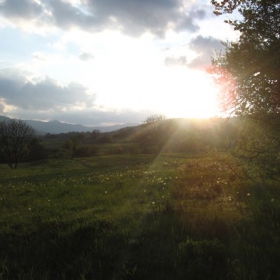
x=56, y=127
x=2, y=119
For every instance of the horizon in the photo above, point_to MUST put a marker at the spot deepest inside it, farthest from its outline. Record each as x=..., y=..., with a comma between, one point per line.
x=57, y=127
x=120, y=124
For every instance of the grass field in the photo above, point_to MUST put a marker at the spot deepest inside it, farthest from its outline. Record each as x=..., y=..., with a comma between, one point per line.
x=137, y=217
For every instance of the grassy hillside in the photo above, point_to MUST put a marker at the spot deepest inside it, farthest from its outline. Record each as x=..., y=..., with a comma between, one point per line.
x=137, y=217
x=168, y=136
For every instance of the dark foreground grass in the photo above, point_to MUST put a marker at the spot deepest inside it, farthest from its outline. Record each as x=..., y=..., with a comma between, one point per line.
x=136, y=217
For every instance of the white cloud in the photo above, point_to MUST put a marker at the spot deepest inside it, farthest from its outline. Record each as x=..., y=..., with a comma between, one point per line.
x=85, y=56
x=44, y=95
x=175, y=61
x=39, y=56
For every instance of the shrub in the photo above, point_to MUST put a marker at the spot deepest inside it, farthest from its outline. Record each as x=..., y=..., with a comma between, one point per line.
x=204, y=259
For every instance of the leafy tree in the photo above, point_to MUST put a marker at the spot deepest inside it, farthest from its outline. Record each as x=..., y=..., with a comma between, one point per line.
x=73, y=143
x=95, y=134
x=248, y=72
x=14, y=138
x=105, y=139
x=36, y=150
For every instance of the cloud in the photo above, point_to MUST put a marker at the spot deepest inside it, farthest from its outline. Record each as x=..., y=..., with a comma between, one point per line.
x=85, y=56
x=206, y=48
x=88, y=117
x=44, y=95
x=175, y=61
x=2, y=107
x=39, y=56
x=48, y=100
x=98, y=117
x=24, y=9
x=188, y=22
x=132, y=17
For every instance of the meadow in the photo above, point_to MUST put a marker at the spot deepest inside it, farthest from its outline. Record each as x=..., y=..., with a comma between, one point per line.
x=170, y=216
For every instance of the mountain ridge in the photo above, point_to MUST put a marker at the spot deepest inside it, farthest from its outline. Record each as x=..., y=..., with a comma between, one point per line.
x=56, y=127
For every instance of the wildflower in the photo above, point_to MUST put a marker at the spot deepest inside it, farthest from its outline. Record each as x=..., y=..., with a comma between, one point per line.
x=153, y=203
x=229, y=199
x=272, y=200
x=144, y=190
x=248, y=194
x=29, y=209
x=105, y=192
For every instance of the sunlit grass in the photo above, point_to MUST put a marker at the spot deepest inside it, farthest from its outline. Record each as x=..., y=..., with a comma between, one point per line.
x=136, y=217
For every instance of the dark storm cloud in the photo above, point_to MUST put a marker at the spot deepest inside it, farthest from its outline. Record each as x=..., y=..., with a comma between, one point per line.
x=45, y=95
x=175, y=61
x=206, y=48
x=133, y=17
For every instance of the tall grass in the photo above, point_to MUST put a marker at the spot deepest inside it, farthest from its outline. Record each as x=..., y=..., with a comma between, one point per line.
x=136, y=217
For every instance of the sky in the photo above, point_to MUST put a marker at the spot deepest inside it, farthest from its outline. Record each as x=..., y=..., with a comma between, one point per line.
x=105, y=62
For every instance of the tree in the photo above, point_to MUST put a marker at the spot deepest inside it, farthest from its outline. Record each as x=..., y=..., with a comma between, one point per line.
x=248, y=72
x=36, y=150
x=14, y=138
x=154, y=118
x=95, y=134
x=72, y=143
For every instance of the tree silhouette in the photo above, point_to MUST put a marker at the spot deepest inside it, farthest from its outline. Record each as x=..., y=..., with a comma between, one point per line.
x=73, y=143
x=154, y=118
x=14, y=138
x=249, y=69
x=248, y=72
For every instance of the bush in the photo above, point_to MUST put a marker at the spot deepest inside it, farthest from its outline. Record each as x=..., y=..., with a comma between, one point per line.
x=204, y=259
x=87, y=151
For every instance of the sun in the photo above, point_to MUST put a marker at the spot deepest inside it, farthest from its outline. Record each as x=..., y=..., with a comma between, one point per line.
x=145, y=83
x=191, y=94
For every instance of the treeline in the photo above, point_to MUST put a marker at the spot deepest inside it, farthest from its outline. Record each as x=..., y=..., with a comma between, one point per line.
x=162, y=136
x=158, y=136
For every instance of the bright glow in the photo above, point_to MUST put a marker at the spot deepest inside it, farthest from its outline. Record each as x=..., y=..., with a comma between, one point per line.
x=195, y=96
x=131, y=74
x=174, y=92
x=135, y=74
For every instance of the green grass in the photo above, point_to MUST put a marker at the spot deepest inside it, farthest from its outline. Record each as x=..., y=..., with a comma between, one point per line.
x=136, y=217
